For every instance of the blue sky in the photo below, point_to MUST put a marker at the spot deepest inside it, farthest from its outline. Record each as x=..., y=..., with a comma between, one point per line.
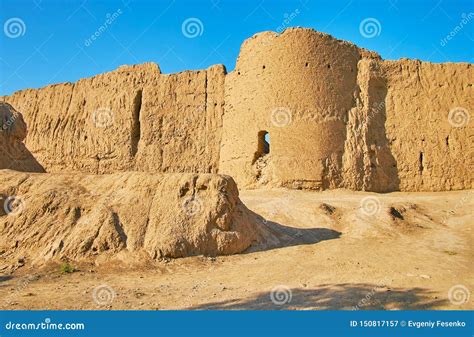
x=46, y=41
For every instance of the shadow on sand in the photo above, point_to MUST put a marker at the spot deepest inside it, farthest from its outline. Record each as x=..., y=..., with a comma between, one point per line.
x=343, y=296
x=274, y=235
x=5, y=278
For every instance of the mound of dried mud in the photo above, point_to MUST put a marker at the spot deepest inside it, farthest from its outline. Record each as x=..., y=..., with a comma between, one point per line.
x=97, y=217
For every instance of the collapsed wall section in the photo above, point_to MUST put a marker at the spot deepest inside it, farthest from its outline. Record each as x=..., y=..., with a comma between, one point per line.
x=410, y=128
x=78, y=217
x=368, y=163
x=13, y=152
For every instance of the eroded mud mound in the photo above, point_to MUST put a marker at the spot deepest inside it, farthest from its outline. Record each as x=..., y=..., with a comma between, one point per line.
x=13, y=153
x=87, y=217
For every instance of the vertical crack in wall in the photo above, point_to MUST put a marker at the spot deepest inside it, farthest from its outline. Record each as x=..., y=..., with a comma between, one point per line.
x=206, y=130
x=420, y=163
x=136, y=128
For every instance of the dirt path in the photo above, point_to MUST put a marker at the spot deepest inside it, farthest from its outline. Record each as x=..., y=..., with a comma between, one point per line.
x=342, y=250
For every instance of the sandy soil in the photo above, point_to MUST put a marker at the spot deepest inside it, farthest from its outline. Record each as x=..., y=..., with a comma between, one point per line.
x=343, y=250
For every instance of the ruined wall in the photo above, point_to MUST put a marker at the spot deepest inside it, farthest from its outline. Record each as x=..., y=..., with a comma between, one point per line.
x=82, y=216
x=133, y=118
x=368, y=163
x=337, y=116
x=428, y=123
x=13, y=152
x=181, y=122
x=298, y=87
x=410, y=129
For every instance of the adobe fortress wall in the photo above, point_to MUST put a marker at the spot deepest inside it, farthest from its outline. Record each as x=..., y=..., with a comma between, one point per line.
x=337, y=116
x=298, y=87
x=133, y=118
x=429, y=123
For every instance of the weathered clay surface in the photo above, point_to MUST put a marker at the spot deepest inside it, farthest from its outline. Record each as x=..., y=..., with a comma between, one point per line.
x=13, y=153
x=429, y=109
x=337, y=116
x=410, y=129
x=131, y=118
x=285, y=85
x=97, y=217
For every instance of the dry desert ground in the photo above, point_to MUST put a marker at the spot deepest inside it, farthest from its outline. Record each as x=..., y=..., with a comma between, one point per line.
x=403, y=251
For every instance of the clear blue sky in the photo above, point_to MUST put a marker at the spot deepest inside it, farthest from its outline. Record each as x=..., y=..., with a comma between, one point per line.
x=48, y=44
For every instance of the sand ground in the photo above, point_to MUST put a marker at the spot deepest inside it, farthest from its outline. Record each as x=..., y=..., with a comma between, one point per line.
x=342, y=250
